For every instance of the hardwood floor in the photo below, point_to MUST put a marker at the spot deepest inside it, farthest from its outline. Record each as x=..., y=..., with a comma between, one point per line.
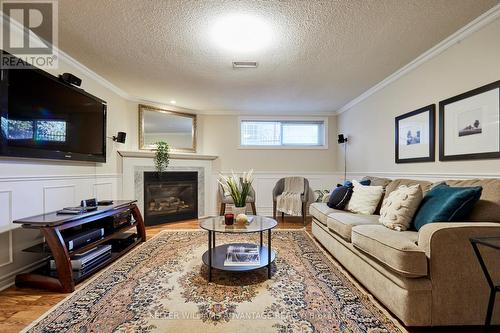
x=21, y=306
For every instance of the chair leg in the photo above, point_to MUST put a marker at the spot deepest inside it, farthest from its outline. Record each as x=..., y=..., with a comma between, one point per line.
x=254, y=210
x=282, y=217
x=274, y=210
x=222, y=209
x=304, y=213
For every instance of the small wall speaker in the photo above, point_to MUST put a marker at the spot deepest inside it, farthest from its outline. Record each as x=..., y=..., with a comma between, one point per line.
x=71, y=79
x=120, y=137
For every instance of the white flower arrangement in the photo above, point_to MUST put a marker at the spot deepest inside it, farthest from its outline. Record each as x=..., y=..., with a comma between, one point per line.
x=237, y=187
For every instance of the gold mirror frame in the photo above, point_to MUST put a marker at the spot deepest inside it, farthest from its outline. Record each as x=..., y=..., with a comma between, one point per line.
x=142, y=146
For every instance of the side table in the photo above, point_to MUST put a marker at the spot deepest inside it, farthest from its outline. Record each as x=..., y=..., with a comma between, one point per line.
x=494, y=243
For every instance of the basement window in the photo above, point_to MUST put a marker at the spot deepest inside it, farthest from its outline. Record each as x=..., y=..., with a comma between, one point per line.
x=283, y=133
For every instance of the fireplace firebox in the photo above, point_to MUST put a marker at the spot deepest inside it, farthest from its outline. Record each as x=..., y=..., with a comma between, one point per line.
x=170, y=196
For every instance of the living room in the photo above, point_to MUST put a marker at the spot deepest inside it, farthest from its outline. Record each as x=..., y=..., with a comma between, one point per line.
x=348, y=150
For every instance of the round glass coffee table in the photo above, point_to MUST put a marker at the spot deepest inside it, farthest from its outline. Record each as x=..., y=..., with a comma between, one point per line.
x=216, y=255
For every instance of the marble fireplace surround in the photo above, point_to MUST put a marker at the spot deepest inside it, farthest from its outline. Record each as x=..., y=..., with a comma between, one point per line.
x=135, y=163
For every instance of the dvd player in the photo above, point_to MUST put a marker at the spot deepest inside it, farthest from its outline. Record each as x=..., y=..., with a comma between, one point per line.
x=82, y=260
x=84, y=238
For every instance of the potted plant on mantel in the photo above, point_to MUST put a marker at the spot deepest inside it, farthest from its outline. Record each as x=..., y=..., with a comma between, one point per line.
x=162, y=157
x=238, y=188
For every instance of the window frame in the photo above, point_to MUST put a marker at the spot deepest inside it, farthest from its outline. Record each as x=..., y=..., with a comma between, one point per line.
x=324, y=120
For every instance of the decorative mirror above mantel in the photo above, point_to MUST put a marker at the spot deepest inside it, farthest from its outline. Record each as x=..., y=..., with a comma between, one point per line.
x=176, y=128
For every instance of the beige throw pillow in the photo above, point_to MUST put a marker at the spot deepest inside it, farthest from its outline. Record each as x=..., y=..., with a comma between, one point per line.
x=364, y=199
x=399, y=207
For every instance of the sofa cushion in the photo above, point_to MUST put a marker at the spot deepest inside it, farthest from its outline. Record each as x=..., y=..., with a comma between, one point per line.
x=396, y=183
x=396, y=250
x=487, y=209
x=365, y=199
x=342, y=222
x=445, y=204
x=320, y=211
x=377, y=181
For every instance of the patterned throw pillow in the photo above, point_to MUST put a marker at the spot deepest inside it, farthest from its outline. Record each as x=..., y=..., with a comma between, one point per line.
x=364, y=199
x=400, y=206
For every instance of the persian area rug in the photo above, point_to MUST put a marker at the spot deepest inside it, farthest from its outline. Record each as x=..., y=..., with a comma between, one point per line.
x=161, y=286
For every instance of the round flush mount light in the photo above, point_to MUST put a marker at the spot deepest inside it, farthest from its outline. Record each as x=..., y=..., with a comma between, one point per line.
x=241, y=33
x=173, y=102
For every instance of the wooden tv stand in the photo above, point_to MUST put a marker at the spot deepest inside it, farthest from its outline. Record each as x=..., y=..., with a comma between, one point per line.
x=53, y=227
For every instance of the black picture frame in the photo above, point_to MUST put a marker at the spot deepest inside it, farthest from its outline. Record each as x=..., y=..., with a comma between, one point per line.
x=442, y=125
x=431, y=109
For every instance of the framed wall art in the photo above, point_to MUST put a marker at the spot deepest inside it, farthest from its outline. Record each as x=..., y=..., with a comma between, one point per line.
x=469, y=125
x=415, y=136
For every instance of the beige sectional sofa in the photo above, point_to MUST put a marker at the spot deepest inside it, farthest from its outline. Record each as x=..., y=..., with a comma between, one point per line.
x=425, y=278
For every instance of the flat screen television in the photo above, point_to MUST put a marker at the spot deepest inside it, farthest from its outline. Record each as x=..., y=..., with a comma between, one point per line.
x=43, y=117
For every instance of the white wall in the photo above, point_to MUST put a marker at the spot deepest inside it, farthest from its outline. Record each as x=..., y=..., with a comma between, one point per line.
x=218, y=135
x=473, y=62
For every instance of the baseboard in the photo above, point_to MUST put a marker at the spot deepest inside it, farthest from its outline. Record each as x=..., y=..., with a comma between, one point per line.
x=8, y=280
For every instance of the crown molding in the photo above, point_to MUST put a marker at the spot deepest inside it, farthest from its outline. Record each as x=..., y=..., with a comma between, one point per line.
x=475, y=25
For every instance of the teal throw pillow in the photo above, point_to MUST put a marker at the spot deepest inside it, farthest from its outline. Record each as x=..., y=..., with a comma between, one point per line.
x=444, y=204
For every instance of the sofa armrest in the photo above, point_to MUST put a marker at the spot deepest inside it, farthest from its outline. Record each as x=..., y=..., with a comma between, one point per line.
x=455, y=273
x=430, y=234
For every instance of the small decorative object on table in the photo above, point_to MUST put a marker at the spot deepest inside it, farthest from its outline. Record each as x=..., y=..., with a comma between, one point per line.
x=228, y=219
x=238, y=188
x=241, y=219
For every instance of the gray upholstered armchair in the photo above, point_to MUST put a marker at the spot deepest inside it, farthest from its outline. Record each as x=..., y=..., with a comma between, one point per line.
x=278, y=190
x=227, y=199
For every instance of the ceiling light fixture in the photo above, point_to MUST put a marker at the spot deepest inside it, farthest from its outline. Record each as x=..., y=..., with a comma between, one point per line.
x=173, y=102
x=241, y=33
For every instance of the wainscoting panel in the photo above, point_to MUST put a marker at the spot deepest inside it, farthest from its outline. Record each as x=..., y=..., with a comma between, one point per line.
x=5, y=210
x=433, y=177
x=264, y=183
x=104, y=191
x=6, y=255
x=57, y=197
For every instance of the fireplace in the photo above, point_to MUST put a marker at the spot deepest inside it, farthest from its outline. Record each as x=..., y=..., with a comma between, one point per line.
x=171, y=196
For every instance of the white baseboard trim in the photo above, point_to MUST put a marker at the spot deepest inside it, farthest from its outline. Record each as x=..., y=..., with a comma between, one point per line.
x=8, y=280
x=422, y=175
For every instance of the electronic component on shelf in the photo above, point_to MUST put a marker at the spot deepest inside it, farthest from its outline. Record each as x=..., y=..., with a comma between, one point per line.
x=87, y=258
x=89, y=203
x=122, y=219
x=84, y=238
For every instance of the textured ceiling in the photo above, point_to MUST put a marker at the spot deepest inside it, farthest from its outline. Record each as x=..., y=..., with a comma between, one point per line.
x=322, y=55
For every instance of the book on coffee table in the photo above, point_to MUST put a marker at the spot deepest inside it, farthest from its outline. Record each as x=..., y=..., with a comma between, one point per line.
x=242, y=255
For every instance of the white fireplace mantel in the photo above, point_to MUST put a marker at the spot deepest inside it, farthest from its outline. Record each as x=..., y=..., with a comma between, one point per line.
x=173, y=156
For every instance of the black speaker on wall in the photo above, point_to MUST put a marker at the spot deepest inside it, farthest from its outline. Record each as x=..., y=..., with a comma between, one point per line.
x=120, y=137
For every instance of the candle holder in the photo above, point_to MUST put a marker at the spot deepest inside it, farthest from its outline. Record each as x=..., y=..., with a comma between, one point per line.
x=229, y=219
